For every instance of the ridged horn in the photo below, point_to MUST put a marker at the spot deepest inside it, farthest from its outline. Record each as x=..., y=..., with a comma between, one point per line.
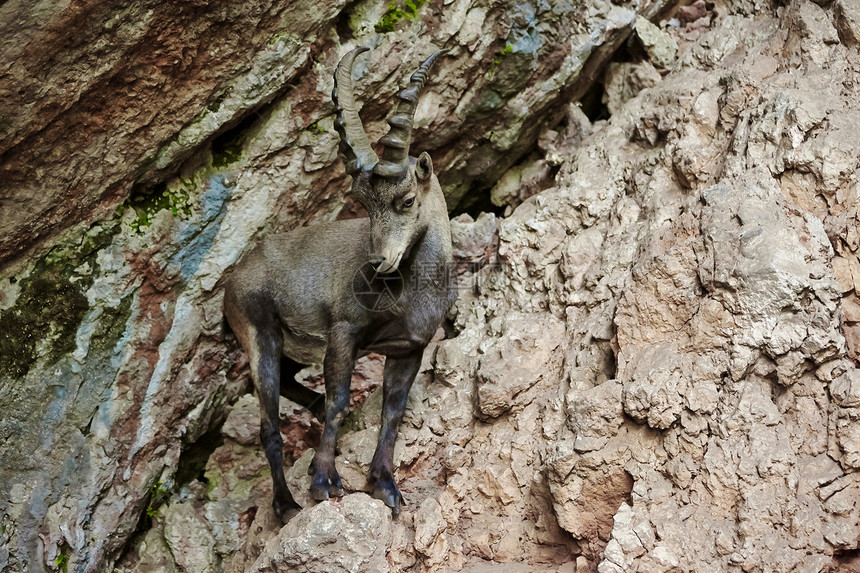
x=395, y=152
x=353, y=140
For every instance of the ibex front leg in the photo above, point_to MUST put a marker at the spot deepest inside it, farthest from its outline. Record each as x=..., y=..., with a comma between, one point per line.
x=337, y=369
x=265, y=369
x=397, y=379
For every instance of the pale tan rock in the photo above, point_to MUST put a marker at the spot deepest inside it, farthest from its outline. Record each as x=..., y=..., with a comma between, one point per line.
x=851, y=308
x=349, y=535
x=149, y=554
x=595, y=415
x=842, y=269
x=852, y=340
x=848, y=21
x=623, y=80
x=189, y=538
x=846, y=389
x=518, y=362
x=428, y=525
x=659, y=45
x=241, y=422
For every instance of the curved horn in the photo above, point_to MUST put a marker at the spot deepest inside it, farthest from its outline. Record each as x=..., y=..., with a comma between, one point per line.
x=395, y=153
x=353, y=140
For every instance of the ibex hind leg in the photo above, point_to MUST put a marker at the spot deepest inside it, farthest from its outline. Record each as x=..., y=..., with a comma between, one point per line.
x=397, y=379
x=265, y=354
x=337, y=368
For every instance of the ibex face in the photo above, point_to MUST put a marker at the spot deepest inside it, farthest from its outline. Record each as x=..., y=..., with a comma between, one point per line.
x=397, y=210
x=393, y=188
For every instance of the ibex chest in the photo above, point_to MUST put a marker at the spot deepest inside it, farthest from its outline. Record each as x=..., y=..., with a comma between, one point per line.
x=304, y=347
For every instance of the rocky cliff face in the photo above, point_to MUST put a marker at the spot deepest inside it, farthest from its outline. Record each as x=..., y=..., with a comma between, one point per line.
x=655, y=369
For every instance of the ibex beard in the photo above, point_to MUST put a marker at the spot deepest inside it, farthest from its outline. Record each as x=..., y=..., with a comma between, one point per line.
x=294, y=293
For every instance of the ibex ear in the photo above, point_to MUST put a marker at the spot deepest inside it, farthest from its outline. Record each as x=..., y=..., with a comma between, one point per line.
x=424, y=167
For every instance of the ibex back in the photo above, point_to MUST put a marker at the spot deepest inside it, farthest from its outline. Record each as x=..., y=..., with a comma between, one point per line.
x=326, y=293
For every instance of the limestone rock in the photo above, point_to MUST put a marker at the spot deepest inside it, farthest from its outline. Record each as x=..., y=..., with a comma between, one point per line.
x=152, y=554
x=846, y=389
x=660, y=46
x=190, y=541
x=240, y=424
x=521, y=182
x=429, y=526
x=623, y=80
x=351, y=535
x=473, y=240
x=518, y=362
x=848, y=21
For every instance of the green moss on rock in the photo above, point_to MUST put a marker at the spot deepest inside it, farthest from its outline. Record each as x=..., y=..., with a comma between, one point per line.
x=147, y=206
x=111, y=325
x=215, y=105
x=396, y=13
x=51, y=304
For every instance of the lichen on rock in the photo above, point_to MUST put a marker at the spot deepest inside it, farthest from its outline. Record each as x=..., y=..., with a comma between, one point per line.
x=45, y=307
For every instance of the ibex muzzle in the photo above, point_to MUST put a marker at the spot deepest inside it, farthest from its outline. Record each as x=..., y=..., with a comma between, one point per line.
x=297, y=293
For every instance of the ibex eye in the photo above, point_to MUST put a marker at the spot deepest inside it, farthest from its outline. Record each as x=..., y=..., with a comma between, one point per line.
x=409, y=202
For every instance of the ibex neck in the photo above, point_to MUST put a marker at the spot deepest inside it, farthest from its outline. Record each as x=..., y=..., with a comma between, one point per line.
x=432, y=251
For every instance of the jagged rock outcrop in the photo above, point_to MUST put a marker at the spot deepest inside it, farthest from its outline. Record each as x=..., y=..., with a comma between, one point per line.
x=655, y=369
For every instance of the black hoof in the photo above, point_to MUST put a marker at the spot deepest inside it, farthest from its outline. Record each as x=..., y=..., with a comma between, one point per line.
x=322, y=494
x=326, y=485
x=285, y=510
x=319, y=493
x=386, y=491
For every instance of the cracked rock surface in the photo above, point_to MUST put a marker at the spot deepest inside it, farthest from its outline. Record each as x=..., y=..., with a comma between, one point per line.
x=652, y=365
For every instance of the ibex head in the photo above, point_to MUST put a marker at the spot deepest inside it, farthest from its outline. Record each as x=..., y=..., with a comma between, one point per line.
x=392, y=189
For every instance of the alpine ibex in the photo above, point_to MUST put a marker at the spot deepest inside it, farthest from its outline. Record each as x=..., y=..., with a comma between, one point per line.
x=327, y=292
